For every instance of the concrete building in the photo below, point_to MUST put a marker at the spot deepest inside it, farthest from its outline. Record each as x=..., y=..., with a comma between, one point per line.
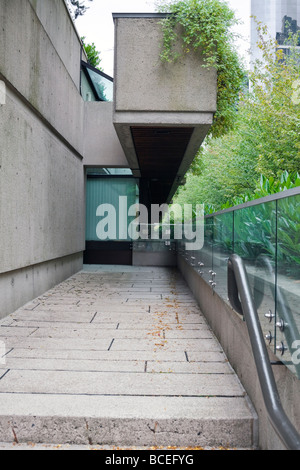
x=60, y=131
x=275, y=14
x=71, y=140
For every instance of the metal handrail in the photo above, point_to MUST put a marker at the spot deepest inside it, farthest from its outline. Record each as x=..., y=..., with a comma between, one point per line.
x=241, y=298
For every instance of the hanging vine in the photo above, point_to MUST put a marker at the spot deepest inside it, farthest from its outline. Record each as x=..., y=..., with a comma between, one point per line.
x=206, y=25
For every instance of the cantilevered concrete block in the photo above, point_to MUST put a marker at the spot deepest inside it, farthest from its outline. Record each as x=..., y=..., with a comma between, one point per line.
x=162, y=111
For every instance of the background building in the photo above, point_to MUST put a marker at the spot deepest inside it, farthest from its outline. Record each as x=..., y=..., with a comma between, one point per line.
x=274, y=14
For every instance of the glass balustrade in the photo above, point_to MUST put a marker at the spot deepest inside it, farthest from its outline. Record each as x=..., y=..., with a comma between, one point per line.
x=266, y=234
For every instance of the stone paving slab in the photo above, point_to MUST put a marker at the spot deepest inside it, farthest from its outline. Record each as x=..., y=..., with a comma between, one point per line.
x=93, y=365
x=166, y=345
x=89, y=354
x=57, y=343
x=79, y=365
x=128, y=384
x=118, y=356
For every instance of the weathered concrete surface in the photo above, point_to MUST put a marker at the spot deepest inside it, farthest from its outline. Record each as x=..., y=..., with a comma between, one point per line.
x=151, y=94
x=101, y=144
x=119, y=356
x=232, y=333
x=43, y=135
x=40, y=73
x=145, y=83
x=18, y=287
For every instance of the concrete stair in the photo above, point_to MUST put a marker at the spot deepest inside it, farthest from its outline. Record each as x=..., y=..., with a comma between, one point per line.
x=119, y=356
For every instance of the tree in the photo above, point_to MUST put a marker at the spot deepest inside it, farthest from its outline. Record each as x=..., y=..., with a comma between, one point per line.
x=264, y=143
x=274, y=105
x=92, y=54
x=77, y=8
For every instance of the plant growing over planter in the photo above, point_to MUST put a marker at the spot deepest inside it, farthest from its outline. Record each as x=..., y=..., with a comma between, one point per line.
x=205, y=25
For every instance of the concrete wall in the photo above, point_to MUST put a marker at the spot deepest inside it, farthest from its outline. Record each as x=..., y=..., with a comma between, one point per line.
x=144, y=82
x=41, y=133
x=22, y=285
x=101, y=144
x=31, y=64
x=232, y=333
x=55, y=19
x=47, y=134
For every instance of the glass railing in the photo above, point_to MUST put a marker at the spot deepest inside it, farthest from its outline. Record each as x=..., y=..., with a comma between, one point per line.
x=266, y=234
x=155, y=238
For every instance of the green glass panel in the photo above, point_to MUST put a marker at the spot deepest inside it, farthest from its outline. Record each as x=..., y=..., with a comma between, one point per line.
x=288, y=283
x=222, y=249
x=255, y=241
x=117, y=194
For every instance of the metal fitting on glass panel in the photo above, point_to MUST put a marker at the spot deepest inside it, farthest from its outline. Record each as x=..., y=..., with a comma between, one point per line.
x=281, y=348
x=201, y=265
x=281, y=324
x=212, y=281
x=270, y=315
x=269, y=337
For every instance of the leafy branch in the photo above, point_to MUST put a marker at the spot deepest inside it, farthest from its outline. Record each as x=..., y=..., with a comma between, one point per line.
x=205, y=25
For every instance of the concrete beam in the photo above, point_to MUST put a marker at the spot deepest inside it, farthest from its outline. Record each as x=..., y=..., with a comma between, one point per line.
x=150, y=93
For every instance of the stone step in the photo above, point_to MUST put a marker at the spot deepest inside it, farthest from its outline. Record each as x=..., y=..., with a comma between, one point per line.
x=118, y=375
x=126, y=420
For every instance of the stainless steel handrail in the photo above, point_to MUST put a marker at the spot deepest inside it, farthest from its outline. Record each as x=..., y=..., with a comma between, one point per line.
x=241, y=298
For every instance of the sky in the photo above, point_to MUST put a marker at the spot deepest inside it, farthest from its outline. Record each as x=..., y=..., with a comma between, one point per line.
x=97, y=24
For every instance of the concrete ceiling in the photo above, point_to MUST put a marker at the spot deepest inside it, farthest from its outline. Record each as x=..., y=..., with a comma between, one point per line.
x=159, y=152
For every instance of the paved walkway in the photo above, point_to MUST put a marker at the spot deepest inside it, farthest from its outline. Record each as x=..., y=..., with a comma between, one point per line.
x=118, y=356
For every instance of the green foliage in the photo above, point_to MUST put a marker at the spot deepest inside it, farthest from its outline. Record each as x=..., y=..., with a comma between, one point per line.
x=289, y=235
x=271, y=229
x=205, y=25
x=261, y=154
x=92, y=54
x=255, y=232
x=222, y=170
x=266, y=187
x=273, y=108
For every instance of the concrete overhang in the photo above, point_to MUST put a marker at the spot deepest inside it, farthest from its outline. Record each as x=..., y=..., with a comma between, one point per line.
x=162, y=111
